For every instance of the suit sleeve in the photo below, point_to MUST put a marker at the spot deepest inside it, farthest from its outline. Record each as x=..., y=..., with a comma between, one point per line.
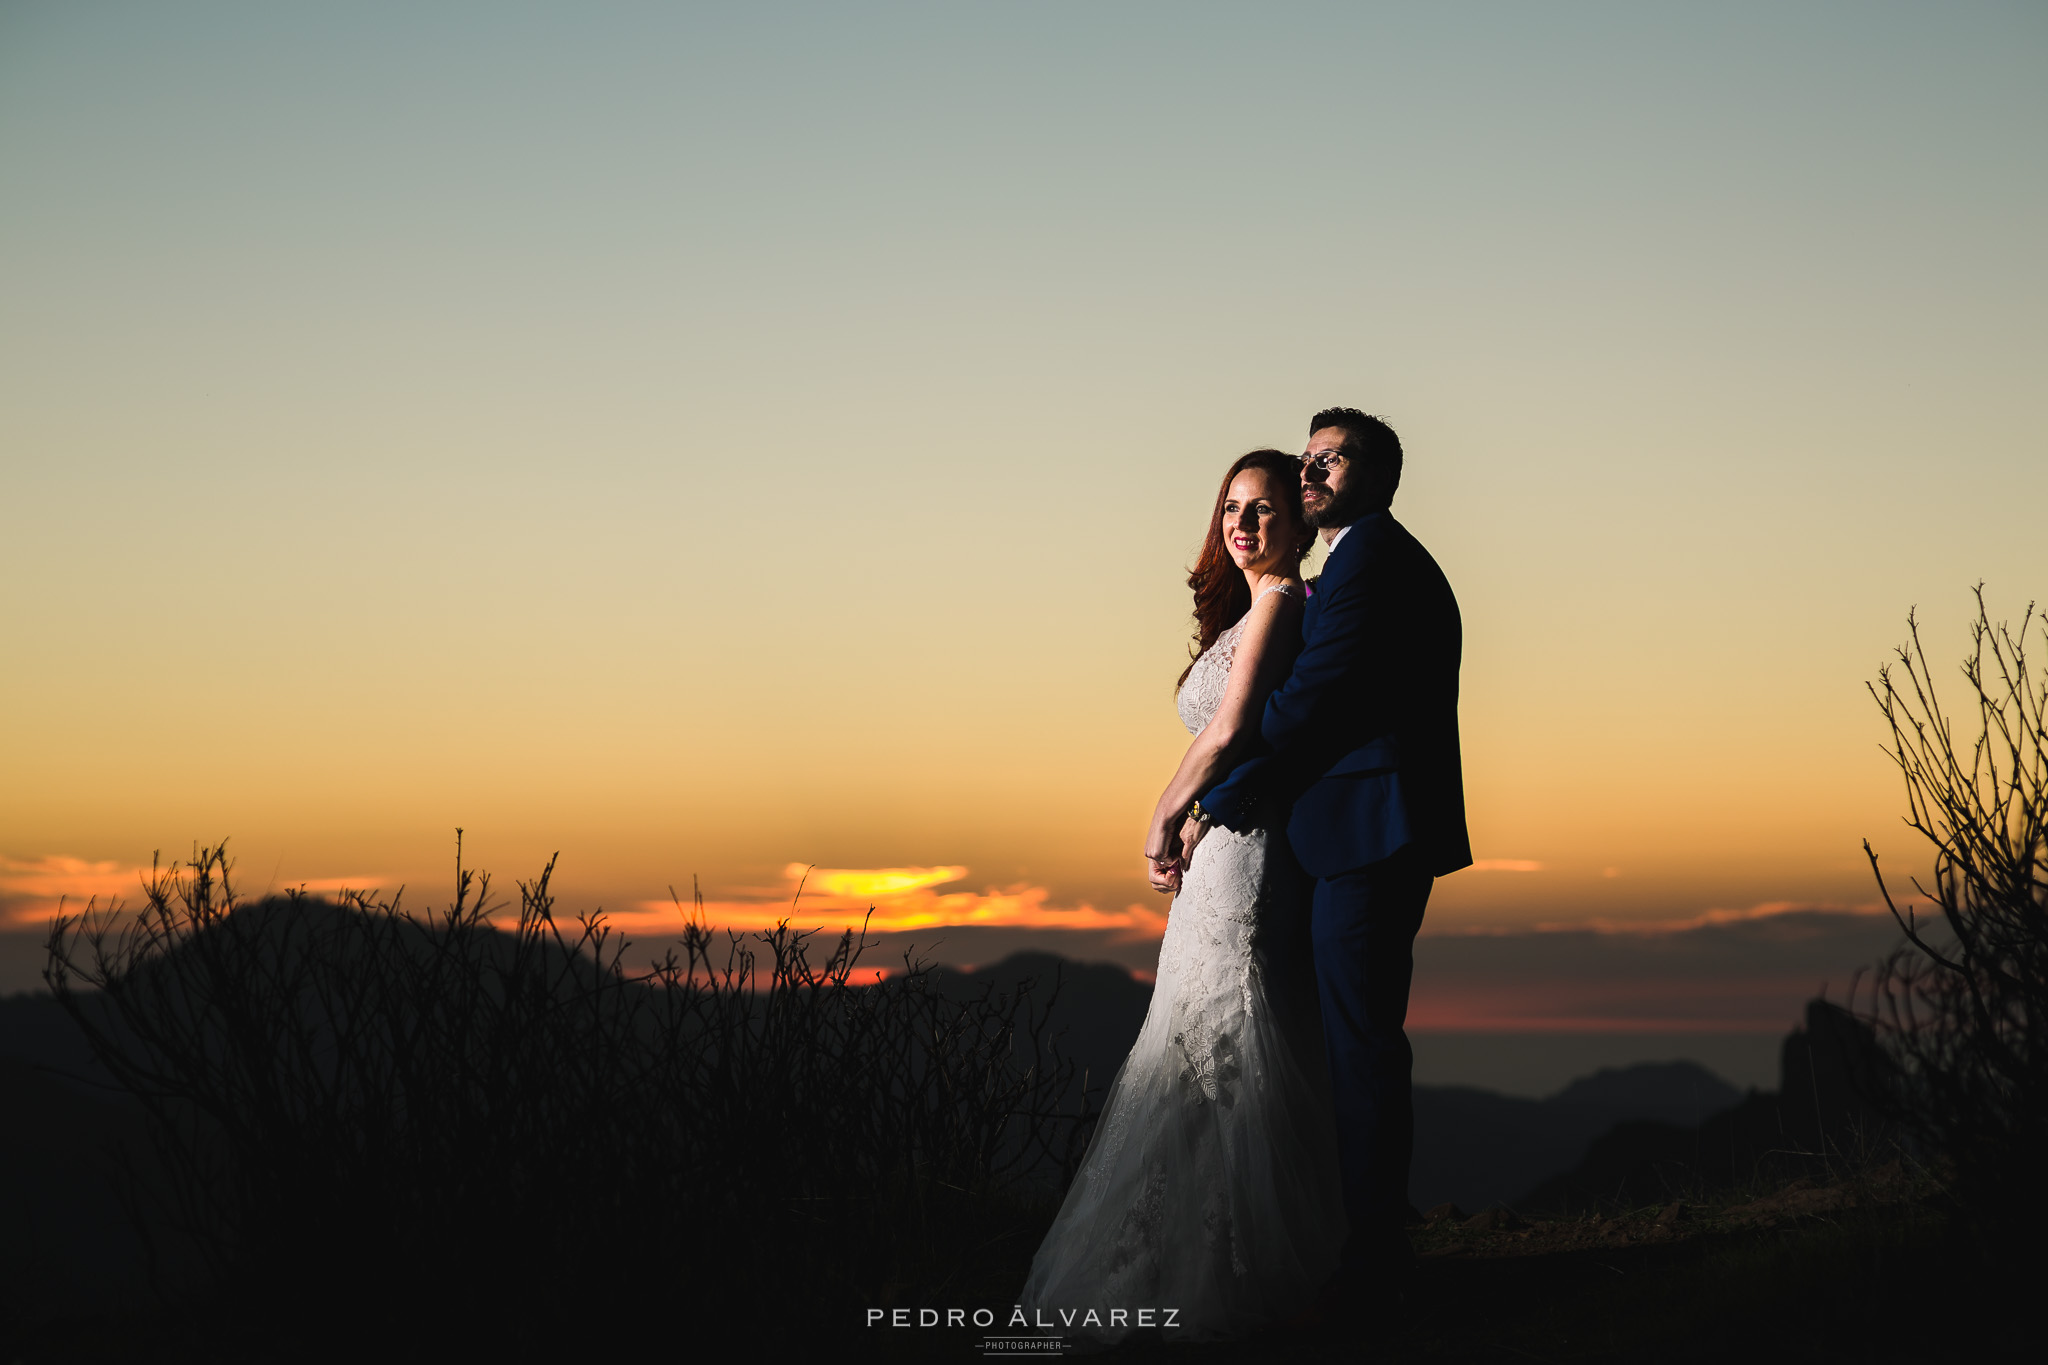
x=1333, y=701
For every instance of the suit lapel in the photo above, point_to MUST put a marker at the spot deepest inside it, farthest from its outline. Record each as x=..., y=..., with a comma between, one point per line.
x=1341, y=564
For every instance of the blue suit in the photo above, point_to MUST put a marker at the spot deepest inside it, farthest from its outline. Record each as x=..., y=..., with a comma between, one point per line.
x=1362, y=759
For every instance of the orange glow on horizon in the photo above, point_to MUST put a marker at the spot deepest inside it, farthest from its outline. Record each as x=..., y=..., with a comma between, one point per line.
x=1759, y=1004
x=36, y=891
x=894, y=900
x=1654, y=992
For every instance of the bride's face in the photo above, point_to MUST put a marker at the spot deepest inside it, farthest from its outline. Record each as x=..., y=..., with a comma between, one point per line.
x=1258, y=528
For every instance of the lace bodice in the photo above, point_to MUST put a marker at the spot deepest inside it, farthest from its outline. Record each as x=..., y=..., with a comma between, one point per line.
x=1202, y=693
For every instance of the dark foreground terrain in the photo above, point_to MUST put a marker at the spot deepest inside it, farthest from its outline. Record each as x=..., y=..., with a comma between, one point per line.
x=1861, y=1269
x=1695, y=1224
x=1867, y=1269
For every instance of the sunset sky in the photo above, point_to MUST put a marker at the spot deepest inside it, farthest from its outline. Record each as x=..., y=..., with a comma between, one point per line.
x=710, y=439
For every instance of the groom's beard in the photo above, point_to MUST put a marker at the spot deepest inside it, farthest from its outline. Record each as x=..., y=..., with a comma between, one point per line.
x=1334, y=509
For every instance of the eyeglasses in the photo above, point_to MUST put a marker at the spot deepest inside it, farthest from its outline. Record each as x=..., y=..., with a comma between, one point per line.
x=1325, y=460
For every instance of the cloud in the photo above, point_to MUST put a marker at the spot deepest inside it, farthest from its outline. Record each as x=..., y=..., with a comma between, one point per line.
x=1726, y=971
x=1764, y=911
x=894, y=900
x=32, y=892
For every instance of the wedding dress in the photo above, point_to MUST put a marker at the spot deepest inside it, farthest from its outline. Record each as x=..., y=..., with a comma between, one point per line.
x=1210, y=1193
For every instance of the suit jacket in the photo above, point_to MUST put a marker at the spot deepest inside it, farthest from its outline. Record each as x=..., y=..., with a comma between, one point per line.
x=1362, y=738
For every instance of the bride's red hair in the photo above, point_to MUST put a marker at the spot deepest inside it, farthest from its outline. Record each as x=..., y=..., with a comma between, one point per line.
x=1221, y=594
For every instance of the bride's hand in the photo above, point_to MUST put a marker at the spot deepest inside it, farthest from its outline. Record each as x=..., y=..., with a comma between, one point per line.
x=1163, y=860
x=1162, y=845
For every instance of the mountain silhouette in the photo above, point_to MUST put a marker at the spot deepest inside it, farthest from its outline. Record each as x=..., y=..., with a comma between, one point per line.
x=1819, y=1115
x=1093, y=1020
x=1475, y=1148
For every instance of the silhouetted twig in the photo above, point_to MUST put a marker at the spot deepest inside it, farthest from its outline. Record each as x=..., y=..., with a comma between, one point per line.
x=1963, y=1003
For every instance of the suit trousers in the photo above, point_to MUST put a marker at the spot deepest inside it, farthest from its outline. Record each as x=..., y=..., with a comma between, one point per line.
x=1364, y=924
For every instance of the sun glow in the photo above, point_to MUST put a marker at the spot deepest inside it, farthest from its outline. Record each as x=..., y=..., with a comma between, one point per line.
x=870, y=881
x=891, y=900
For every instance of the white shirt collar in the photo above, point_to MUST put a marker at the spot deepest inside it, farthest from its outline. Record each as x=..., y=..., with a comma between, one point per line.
x=1342, y=531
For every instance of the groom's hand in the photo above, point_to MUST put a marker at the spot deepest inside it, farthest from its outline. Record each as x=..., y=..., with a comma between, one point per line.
x=1191, y=834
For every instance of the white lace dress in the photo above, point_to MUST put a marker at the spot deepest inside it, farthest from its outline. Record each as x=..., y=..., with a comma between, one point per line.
x=1210, y=1194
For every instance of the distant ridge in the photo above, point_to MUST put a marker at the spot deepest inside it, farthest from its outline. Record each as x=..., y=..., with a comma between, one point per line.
x=1476, y=1148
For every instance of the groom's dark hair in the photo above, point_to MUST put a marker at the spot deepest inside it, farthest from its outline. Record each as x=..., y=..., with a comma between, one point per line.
x=1369, y=442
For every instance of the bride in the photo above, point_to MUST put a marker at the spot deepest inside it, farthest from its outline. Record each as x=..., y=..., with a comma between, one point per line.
x=1210, y=1193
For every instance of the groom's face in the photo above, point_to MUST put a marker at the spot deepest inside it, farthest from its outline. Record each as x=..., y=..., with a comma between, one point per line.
x=1329, y=497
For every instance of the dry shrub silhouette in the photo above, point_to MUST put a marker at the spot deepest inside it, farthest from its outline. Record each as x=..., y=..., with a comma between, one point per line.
x=360, y=1113
x=1961, y=1004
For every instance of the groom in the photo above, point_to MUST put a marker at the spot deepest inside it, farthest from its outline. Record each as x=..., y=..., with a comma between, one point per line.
x=1363, y=765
